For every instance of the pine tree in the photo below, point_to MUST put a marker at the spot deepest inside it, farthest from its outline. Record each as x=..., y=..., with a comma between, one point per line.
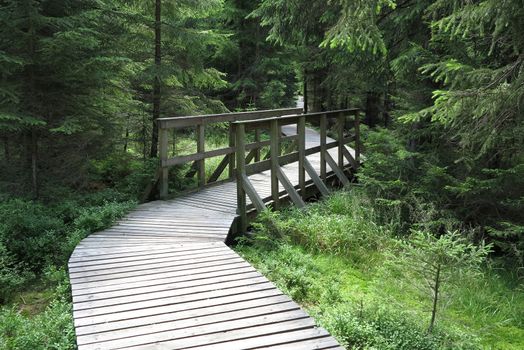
x=260, y=74
x=60, y=85
x=173, y=44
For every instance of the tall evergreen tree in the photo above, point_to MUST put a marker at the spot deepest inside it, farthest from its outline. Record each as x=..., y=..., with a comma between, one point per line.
x=173, y=44
x=260, y=74
x=61, y=86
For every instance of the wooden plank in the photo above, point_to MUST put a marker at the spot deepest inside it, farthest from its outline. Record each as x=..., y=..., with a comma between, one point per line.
x=149, y=255
x=240, y=171
x=257, y=150
x=323, y=148
x=357, y=137
x=341, y=121
x=224, y=339
x=340, y=174
x=181, y=311
x=275, y=153
x=350, y=158
x=316, y=179
x=267, y=339
x=114, y=266
x=164, y=178
x=252, y=193
x=197, y=156
x=188, y=121
x=169, y=284
x=201, y=144
x=136, y=301
x=150, y=308
x=285, y=159
x=293, y=194
x=317, y=342
x=301, y=131
x=157, y=272
x=219, y=170
x=232, y=136
x=156, y=277
x=190, y=320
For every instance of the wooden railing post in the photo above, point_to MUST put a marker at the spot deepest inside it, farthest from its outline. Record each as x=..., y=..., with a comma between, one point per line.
x=323, y=149
x=164, y=180
x=301, y=132
x=341, y=122
x=274, y=135
x=231, y=168
x=257, y=151
x=240, y=171
x=357, y=137
x=201, y=144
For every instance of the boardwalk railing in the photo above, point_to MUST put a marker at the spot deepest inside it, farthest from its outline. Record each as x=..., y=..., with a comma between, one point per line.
x=238, y=163
x=198, y=159
x=277, y=160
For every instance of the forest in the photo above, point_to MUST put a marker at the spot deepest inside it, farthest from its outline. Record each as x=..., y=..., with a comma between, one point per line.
x=425, y=250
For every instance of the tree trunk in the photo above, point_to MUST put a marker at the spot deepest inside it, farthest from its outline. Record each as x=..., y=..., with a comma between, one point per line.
x=314, y=93
x=33, y=108
x=7, y=155
x=145, y=121
x=372, y=109
x=435, y=300
x=126, y=138
x=156, y=82
x=305, y=91
x=34, y=158
x=385, y=113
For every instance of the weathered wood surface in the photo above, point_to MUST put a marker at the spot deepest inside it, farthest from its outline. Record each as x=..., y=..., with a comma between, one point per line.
x=163, y=278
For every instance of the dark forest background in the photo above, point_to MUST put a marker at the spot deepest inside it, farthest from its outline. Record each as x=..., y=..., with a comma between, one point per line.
x=440, y=83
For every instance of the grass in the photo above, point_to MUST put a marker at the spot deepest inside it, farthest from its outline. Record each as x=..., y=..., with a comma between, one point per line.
x=331, y=259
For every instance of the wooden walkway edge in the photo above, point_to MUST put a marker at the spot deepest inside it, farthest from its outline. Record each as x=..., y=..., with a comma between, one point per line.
x=163, y=278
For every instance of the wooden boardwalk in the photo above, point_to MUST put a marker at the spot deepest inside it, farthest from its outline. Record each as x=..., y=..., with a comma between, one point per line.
x=163, y=278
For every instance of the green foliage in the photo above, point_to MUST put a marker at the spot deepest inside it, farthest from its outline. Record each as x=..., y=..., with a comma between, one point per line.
x=12, y=273
x=348, y=293
x=340, y=225
x=356, y=27
x=384, y=328
x=51, y=329
x=260, y=75
x=34, y=235
x=436, y=262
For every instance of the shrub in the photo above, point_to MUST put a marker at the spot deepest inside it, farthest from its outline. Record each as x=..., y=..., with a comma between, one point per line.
x=34, y=235
x=384, y=328
x=29, y=231
x=12, y=274
x=52, y=329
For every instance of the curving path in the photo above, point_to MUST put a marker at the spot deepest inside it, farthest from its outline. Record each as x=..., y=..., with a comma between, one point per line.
x=163, y=278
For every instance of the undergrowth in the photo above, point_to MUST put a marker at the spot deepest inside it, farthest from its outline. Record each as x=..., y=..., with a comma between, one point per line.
x=331, y=258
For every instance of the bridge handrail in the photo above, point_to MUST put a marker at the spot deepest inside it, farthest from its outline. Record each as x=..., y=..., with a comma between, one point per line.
x=276, y=160
x=255, y=120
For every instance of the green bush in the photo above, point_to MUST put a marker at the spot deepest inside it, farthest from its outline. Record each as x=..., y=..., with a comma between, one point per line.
x=34, y=235
x=385, y=329
x=29, y=231
x=53, y=329
x=12, y=274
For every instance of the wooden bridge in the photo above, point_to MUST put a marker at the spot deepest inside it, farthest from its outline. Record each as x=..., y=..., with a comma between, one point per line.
x=163, y=277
